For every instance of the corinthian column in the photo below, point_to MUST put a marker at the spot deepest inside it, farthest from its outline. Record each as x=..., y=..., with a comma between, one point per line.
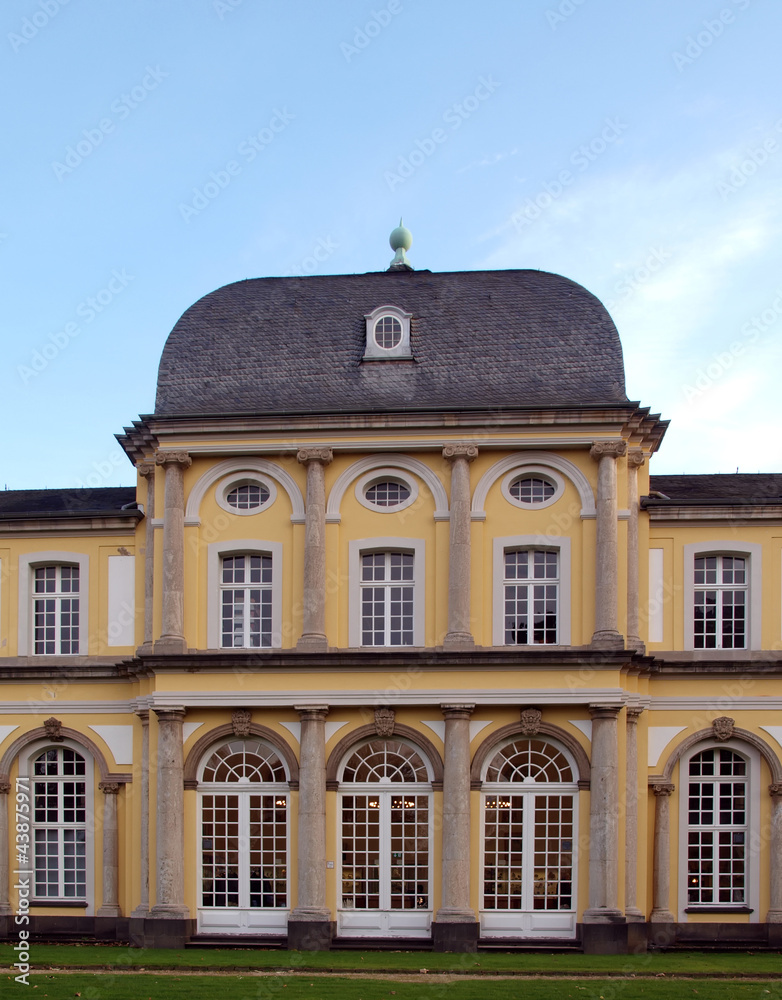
x=313, y=634
x=172, y=639
x=661, y=877
x=309, y=926
x=147, y=470
x=635, y=459
x=603, y=817
x=631, y=816
x=170, y=839
x=459, y=634
x=606, y=634
x=775, y=875
x=455, y=927
x=110, y=907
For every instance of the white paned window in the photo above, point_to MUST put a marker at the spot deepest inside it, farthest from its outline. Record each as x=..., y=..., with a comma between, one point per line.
x=532, y=489
x=55, y=610
x=244, y=830
x=720, y=602
x=246, y=601
x=387, y=598
x=247, y=496
x=531, y=597
x=718, y=828
x=60, y=824
x=387, y=493
x=388, y=332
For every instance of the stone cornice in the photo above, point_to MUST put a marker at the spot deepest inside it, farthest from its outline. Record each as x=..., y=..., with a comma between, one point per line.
x=661, y=511
x=25, y=525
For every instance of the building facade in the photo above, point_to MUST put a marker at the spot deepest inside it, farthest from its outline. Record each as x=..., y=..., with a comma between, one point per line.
x=395, y=638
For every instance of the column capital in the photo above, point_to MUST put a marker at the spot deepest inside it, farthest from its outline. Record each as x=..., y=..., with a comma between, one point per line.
x=109, y=787
x=634, y=713
x=457, y=711
x=146, y=468
x=608, y=449
x=143, y=714
x=635, y=458
x=775, y=790
x=322, y=455
x=663, y=788
x=173, y=458
x=176, y=714
x=5, y=787
x=312, y=712
x=453, y=451
x=604, y=711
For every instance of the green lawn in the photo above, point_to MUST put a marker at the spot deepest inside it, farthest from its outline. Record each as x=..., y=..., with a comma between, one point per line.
x=122, y=957
x=92, y=986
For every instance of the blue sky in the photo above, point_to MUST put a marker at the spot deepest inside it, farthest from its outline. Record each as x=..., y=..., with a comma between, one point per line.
x=156, y=151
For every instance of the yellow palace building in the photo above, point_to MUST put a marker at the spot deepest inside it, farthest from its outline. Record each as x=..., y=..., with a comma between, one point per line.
x=395, y=640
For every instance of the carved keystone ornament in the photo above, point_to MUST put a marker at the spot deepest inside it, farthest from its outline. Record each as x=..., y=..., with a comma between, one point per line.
x=530, y=721
x=723, y=727
x=240, y=721
x=53, y=729
x=384, y=721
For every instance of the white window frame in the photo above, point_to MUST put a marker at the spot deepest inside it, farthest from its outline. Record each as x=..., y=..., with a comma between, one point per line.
x=225, y=486
x=536, y=472
x=752, y=552
x=26, y=759
x=383, y=475
x=373, y=351
x=752, y=871
x=28, y=563
x=363, y=546
x=214, y=557
x=552, y=543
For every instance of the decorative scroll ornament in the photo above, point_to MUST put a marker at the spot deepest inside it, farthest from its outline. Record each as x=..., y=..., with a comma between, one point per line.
x=5, y=787
x=240, y=721
x=109, y=787
x=613, y=449
x=775, y=789
x=530, y=721
x=173, y=458
x=384, y=721
x=468, y=451
x=53, y=729
x=663, y=788
x=723, y=727
x=324, y=455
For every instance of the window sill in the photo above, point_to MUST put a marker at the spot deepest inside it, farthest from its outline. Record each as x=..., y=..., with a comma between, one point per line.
x=719, y=909
x=81, y=904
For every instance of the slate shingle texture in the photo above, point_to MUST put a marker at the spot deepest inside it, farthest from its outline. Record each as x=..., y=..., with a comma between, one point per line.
x=479, y=339
x=105, y=500
x=744, y=488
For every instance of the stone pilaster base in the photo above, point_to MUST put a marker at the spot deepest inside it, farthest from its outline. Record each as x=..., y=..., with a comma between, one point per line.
x=634, y=916
x=453, y=935
x=313, y=643
x=607, y=640
x=775, y=935
x=161, y=932
x=604, y=938
x=661, y=917
x=458, y=640
x=308, y=934
x=170, y=644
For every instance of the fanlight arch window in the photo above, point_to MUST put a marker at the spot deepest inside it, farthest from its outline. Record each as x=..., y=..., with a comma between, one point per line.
x=60, y=815
x=385, y=810
x=529, y=836
x=244, y=831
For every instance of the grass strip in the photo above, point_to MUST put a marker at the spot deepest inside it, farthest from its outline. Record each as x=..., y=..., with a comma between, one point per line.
x=92, y=986
x=122, y=957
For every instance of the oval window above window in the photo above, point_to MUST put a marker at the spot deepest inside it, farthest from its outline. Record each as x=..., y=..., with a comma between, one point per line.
x=388, y=332
x=385, y=490
x=245, y=495
x=532, y=487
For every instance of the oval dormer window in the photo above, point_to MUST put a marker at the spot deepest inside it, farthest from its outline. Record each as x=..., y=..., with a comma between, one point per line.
x=388, y=332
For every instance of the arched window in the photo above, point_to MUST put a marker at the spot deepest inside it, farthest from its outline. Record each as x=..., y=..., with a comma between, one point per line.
x=529, y=836
x=244, y=803
x=59, y=824
x=385, y=809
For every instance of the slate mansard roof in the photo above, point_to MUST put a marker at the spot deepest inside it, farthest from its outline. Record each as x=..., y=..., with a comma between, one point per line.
x=102, y=502
x=479, y=339
x=754, y=489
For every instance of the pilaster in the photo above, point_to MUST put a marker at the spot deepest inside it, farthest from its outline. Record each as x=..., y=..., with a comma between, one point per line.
x=172, y=639
x=5, y=906
x=631, y=815
x=110, y=906
x=635, y=459
x=313, y=635
x=170, y=841
x=606, y=634
x=661, y=878
x=604, y=818
x=147, y=470
x=775, y=875
x=459, y=634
